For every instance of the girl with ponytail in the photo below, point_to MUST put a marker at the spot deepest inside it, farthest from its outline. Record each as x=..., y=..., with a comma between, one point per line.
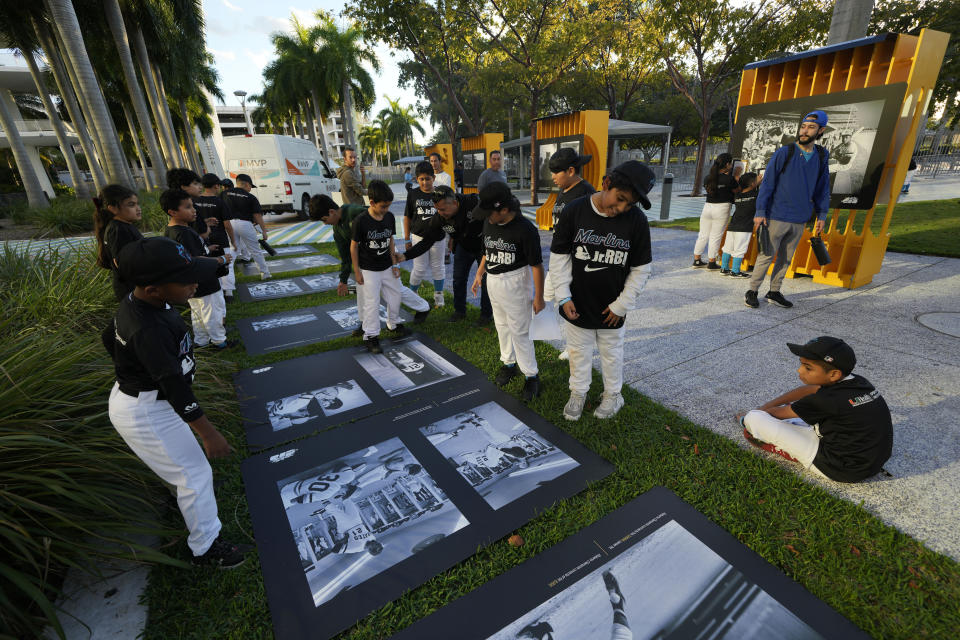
x=721, y=189
x=117, y=209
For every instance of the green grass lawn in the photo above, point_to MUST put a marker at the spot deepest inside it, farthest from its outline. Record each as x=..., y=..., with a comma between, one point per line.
x=884, y=581
x=929, y=227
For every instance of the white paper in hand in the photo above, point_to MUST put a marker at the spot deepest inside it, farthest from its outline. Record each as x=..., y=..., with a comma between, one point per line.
x=546, y=324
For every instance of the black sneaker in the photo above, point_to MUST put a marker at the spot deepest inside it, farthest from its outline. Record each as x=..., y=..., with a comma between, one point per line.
x=505, y=375
x=357, y=333
x=420, y=316
x=372, y=344
x=531, y=388
x=775, y=297
x=228, y=299
x=751, y=299
x=222, y=555
x=699, y=263
x=739, y=274
x=483, y=321
x=713, y=266
x=724, y=272
x=446, y=259
x=456, y=316
x=400, y=331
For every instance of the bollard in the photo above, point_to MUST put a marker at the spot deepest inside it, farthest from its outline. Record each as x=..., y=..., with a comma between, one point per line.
x=665, y=196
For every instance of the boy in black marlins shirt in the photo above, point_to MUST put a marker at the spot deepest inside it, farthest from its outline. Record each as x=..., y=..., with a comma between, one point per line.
x=836, y=425
x=152, y=405
x=511, y=244
x=207, y=307
x=600, y=261
x=213, y=210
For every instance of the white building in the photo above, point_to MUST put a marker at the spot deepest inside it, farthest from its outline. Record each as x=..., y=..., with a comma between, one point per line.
x=230, y=122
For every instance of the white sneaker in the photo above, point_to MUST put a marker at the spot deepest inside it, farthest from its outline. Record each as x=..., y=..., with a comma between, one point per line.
x=564, y=355
x=265, y=276
x=574, y=408
x=438, y=299
x=609, y=406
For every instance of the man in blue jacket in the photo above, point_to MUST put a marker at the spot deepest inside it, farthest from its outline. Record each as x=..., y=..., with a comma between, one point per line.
x=796, y=183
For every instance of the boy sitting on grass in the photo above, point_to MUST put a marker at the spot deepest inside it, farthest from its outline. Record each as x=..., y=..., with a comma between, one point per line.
x=837, y=424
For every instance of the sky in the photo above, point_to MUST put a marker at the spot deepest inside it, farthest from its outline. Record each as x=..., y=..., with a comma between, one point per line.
x=238, y=36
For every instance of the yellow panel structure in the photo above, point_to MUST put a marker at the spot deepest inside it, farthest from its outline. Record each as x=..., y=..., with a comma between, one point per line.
x=446, y=159
x=856, y=257
x=486, y=142
x=594, y=126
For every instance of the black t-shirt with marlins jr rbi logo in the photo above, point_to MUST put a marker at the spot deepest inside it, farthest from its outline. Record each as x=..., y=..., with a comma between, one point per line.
x=511, y=246
x=373, y=237
x=604, y=249
x=420, y=210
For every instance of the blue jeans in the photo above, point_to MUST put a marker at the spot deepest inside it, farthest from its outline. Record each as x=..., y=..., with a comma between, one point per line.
x=463, y=261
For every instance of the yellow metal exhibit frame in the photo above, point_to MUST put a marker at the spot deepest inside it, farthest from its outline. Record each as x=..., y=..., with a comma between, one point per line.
x=916, y=60
x=485, y=141
x=446, y=160
x=594, y=127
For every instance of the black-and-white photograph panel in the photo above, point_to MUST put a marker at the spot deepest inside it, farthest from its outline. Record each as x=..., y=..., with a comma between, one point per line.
x=310, y=405
x=360, y=514
x=283, y=265
x=294, y=250
x=348, y=520
x=288, y=329
x=858, y=134
x=493, y=450
x=653, y=569
x=269, y=290
x=406, y=366
x=324, y=281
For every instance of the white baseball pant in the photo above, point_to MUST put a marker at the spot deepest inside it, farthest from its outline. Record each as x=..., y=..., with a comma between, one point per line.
x=248, y=244
x=165, y=443
x=794, y=436
x=430, y=264
x=409, y=299
x=736, y=243
x=511, y=297
x=229, y=282
x=713, y=220
x=580, y=346
x=377, y=285
x=206, y=316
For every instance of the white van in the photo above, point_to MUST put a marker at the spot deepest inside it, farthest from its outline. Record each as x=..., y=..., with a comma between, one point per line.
x=287, y=171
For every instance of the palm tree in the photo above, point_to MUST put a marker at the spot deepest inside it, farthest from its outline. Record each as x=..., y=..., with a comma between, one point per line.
x=381, y=124
x=372, y=140
x=68, y=28
x=344, y=53
x=31, y=183
x=399, y=123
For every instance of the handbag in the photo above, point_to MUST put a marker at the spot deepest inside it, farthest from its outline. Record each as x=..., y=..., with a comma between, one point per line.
x=764, y=245
x=820, y=250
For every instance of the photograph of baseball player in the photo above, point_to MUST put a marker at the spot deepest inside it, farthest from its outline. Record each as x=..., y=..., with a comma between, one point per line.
x=294, y=250
x=269, y=289
x=349, y=318
x=283, y=265
x=278, y=322
x=326, y=401
x=501, y=457
x=362, y=513
x=857, y=136
x=667, y=586
x=324, y=281
x=654, y=569
x=406, y=366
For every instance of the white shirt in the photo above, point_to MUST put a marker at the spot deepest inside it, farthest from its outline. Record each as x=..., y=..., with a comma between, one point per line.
x=442, y=179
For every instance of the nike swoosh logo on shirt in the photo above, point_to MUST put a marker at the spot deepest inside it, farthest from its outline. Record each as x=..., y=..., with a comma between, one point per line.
x=380, y=253
x=588, y=269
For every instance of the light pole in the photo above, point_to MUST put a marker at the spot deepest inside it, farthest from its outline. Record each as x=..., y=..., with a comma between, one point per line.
x=243, y=103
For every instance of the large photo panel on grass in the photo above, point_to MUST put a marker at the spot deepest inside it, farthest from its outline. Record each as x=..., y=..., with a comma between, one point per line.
x=655, y=568
x=288, y=287
x=858, y=134
x=349, y=519
x=282, y=265
x=279, y=331
x=294, y=250
x=293, y=398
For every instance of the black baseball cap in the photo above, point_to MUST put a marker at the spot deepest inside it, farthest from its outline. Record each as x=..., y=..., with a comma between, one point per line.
x=640, y=177
x=566, y=158
x=210, y=180
x=243, y=177
x=227, y=182
x=831, y=350
x=159, y=260
x=494, y=196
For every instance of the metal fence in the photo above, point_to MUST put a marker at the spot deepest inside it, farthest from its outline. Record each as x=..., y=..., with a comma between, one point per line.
x=937, y=153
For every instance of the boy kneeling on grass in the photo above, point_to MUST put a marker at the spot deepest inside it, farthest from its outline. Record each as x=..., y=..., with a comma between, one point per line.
x=837, y=424
x=152, y=405
x=373, y=255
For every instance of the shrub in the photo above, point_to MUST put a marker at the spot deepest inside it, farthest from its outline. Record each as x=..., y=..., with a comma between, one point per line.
x=67, y=215
x=154, y=218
